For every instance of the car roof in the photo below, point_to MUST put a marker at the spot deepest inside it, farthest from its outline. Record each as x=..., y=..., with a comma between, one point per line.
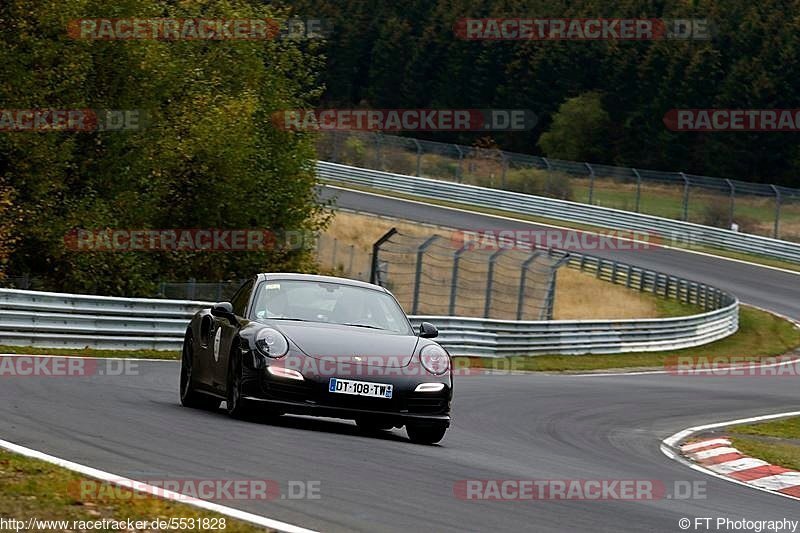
x=315, y=277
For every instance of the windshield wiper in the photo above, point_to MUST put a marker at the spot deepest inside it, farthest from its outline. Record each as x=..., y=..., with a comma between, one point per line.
x=286, y=318
x=364, y=326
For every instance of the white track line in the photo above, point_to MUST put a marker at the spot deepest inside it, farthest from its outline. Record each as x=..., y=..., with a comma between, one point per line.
x=165, y=494
x=682, y=373
x=549, y=225
x=86, y=357
x=669, y=447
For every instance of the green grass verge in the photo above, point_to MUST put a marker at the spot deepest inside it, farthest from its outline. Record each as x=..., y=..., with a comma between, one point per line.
x=777, y=442
x=761, y=260
x=760, y=335
x=89, y=352
x=31, y=488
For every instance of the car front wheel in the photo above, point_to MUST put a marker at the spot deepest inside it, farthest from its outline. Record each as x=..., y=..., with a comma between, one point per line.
x=237, y=406
x=189, y=396
x=427, y=433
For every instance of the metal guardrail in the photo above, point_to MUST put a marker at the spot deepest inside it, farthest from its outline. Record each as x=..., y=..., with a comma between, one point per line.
x=57, y=320
x=674, y=231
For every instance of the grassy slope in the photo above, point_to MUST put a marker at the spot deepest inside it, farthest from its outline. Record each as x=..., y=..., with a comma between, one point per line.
x=777, y=442
x=31, y=488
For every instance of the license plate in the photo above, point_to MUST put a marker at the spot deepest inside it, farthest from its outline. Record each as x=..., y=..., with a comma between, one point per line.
x=360, y=388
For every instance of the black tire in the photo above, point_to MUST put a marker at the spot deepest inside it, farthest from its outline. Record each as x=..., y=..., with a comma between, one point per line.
x=237, y=406
x=426, y=434
x=189, y=396
x=373, y=425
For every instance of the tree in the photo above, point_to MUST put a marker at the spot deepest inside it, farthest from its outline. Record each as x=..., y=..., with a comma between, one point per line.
x=208, y=155
x=579, y=130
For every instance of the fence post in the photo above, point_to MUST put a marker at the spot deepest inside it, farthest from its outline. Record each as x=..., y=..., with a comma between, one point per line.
x=504, y=170
x=352, y=254
x=522, y=280
x=732, y=202
x=487, y=303
x=335, y=153
x=776, y=232
x=191, y=287
x=591, y=183
x=460, y=169
x=547, y=180
x=638, y=188
x=551, y=288
x=685, y=197
x=376, y=248
x=419, y=157
x=378, y=162
x=418, y=271
x=454, y=279
x=333, y=255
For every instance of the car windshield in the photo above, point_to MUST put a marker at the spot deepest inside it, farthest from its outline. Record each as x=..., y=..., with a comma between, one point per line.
x=328, y=302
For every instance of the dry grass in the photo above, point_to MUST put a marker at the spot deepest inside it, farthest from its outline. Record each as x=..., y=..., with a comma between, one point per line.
x=578, y=295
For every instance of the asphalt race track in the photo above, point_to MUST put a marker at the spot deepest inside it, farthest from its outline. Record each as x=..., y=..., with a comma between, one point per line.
x=505, y=427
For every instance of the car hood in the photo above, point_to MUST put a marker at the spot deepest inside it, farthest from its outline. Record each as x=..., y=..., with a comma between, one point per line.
x=339, y=343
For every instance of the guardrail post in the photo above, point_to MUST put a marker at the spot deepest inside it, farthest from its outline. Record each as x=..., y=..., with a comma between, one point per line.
x=454, y=279
x=776, y=230
x=614, y=273
x=419, y=157
x=191, y=287
x=685, y=197
x=732, y=202
x=418, y=271
x=374, y=278
x=460, y=168
x=591, y=183
x=522, y=280
x=487, y=304
x=638, y=188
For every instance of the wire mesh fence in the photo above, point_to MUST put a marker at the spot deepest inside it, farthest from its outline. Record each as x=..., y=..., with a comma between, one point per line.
x=438, y=276
x=756, y=208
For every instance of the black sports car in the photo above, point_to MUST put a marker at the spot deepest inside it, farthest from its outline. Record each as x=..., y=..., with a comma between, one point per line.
x=318, y=345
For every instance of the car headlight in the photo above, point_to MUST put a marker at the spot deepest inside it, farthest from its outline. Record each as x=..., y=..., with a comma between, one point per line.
x=434, y=359
x=271, y=343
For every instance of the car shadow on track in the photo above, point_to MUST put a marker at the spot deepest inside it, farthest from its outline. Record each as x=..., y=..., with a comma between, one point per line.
x=308, y=423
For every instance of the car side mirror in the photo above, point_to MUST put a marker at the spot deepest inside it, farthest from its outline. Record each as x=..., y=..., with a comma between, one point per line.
x=223, y=310
x=428, y=330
